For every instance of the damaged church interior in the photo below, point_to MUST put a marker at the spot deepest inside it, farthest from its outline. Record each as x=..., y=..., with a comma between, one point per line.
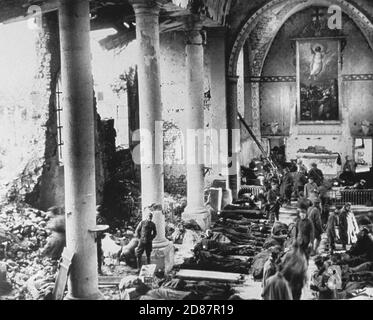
x=186, y=150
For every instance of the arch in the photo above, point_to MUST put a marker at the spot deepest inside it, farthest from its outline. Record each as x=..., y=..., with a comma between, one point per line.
x=269, y=19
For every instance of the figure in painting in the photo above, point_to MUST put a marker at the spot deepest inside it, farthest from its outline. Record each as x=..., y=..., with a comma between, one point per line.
x=317, y=63
x=318, y=80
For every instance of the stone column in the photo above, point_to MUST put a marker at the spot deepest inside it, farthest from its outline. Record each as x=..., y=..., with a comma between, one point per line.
x=149, y=79
x=133, y=104
x=234, y=176
x=195, y=209
x=216, y=55
x=147, y=35
x=79, y=157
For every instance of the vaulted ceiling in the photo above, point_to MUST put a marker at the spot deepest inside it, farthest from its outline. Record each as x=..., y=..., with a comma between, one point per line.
x=118, y=14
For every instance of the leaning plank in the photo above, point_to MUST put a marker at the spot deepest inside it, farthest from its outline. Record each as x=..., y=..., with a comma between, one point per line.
x=114, y=285
x=241, y=211
x=209, y=275
x=242, y=258
x=109, y=280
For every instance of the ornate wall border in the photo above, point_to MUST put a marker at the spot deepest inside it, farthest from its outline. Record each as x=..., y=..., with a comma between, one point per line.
x=271, y=79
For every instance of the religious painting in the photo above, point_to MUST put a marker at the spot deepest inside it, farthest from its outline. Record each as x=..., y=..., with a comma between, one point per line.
x=318, y=71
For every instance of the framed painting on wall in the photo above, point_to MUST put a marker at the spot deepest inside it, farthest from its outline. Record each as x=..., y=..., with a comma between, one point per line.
x=318, y=80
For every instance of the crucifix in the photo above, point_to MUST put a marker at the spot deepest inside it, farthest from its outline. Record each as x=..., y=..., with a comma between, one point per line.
x=317, y=15
x=316, y=22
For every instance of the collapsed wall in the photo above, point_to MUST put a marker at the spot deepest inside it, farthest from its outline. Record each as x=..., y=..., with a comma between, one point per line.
x=35, y=174
x=24, y=152
x=48, y=190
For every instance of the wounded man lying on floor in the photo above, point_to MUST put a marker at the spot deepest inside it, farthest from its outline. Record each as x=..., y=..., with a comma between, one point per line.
x=212, y=253
x=211, y=241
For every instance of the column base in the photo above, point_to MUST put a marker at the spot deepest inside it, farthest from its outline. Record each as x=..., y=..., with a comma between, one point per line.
x=162, y=255
x=201, y=216
x=233, y=186
x=227, y=197
x=95, y=296
x=3, y=271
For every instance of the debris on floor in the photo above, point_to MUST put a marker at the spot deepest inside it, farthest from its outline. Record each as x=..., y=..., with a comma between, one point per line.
x=30, y=274
x=223, y=263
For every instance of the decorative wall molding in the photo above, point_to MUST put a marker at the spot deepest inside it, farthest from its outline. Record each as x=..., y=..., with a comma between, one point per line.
x=357, y=77
x=345, y=77
x=271, y=79
x=255, y=108
x=308, y=130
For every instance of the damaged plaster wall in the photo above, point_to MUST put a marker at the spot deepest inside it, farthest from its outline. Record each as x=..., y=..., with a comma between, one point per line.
x=174, y=100
x=24, y=115
x=173, y=74
x=50, y=189
x=31, y=169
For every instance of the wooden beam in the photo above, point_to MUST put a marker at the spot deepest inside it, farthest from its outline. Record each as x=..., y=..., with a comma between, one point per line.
x=242, y=258
x=109, y=280
x=209, y=275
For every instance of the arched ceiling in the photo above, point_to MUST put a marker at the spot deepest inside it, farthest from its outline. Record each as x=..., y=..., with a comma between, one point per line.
x=264, y=24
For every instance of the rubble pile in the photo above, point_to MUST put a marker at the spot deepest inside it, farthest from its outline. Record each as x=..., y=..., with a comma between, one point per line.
x=121, y=192
x=174, y=206
x=118, y=208
x=31, y=275
x=21, y=188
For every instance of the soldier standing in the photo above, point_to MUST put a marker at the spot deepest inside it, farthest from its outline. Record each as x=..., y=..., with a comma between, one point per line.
x=146, y=232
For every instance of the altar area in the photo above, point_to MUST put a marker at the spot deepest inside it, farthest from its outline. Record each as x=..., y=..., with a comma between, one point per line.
x=326, y=161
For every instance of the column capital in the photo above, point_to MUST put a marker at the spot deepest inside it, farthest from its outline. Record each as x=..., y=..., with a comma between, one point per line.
x=150, y=7
x=193, y=30
x=193, y=22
